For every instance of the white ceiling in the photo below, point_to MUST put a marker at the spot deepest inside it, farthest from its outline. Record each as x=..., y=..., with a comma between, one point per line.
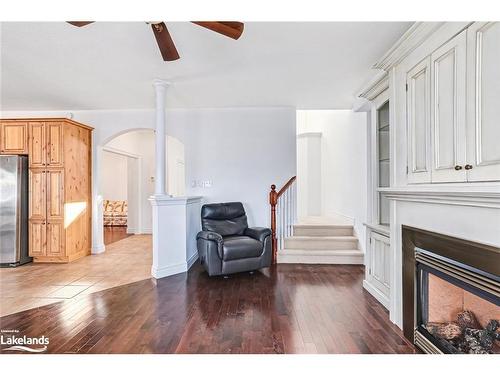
x=105, y=65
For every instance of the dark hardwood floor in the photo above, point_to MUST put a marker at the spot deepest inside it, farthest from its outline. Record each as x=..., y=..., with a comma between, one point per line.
x=285, y=309
x=113, y=234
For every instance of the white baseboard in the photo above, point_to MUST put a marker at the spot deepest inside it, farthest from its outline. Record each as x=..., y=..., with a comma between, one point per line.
x=174, y=269
x=192, y=260
x=379, y=296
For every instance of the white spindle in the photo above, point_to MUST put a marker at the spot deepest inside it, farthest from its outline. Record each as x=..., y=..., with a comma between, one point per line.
x=280, y=203
x=278, y=223
x=285, y=213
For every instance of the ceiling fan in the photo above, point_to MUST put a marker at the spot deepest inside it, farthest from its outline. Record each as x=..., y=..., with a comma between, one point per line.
x=166, y=44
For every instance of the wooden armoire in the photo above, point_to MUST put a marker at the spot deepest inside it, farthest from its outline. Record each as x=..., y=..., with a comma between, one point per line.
x=60, y=204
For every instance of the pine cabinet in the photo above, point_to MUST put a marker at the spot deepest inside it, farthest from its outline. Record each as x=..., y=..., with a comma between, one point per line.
x=452, y=110
x=54, y=144
x=37, y=241
x=37, y=145
x=59, y=154
x=13, y=138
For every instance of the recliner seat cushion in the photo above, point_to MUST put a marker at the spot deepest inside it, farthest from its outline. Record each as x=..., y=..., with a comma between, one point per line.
x=227, y=219
x=239, y=247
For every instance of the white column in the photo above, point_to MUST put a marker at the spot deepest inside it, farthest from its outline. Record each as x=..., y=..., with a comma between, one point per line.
x=175, y=220
x=160, y=138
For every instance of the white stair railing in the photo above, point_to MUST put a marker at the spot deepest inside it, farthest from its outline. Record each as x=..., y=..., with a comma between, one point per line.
x=283, y=213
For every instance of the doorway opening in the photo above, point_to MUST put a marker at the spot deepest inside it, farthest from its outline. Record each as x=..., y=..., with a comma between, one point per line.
x=127, y=181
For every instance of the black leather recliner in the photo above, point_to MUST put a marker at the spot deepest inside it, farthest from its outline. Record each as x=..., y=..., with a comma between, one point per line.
x=227, y=245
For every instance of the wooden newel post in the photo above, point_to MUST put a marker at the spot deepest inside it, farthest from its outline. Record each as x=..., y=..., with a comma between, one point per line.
x=273, y=201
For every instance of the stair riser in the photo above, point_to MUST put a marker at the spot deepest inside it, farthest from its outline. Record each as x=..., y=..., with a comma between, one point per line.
x=294, y=243
x=319, y=232
x=321, y=259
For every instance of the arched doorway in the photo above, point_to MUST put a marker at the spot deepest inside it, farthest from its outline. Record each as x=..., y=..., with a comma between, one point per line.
x=126, y=178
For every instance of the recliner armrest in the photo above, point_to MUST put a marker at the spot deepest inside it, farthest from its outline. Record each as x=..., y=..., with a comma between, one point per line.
x=211, y=236
x=215, y=241
x=258, y=233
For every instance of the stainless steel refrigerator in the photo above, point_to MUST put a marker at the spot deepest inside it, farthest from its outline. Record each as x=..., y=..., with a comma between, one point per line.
x=13, y=210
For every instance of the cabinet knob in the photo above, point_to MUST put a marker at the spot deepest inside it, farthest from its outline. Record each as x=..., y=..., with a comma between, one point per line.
x=468, y=166
x=458, y=167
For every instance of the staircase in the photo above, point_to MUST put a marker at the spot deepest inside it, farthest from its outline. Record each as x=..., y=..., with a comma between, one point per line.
x=318, y=240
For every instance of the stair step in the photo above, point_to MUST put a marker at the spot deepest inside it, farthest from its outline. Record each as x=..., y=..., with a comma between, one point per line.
x=321, y=243
x=322, y=230
x=305, y=256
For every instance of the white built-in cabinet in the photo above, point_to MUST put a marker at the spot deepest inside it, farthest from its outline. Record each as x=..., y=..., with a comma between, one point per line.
x=418, y=93
x=377, y=257
x=379, y=263
x=448, y=102
x=453, y=110
x=483, y=101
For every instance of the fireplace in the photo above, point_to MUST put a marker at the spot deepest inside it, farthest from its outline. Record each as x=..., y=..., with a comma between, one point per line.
x=451, y=293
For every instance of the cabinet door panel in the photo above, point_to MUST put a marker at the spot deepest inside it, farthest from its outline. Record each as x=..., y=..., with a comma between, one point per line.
x=37, y=194
x=37, y=144
x=14, y=137
x=418, y=121
x=37, y=239
x=448, y=111
x=55, y=238
x=483, y=88
x=379, y=262
x=55, y=194
x=54, y=144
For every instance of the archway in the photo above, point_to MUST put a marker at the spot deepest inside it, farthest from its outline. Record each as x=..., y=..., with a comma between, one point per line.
x=136, y=148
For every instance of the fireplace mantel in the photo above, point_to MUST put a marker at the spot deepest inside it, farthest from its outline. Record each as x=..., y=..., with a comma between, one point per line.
x=489, y=197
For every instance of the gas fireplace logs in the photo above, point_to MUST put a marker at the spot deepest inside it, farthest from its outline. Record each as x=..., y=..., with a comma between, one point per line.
x=466, y=334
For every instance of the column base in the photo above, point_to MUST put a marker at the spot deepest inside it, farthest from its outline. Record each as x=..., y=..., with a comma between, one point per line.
x=169, y=270
x=176, y=220
x=98, y=249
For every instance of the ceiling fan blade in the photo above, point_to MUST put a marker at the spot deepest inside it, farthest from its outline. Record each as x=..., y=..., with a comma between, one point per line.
x=230, y=29
x=165, y=42
x=80, y=23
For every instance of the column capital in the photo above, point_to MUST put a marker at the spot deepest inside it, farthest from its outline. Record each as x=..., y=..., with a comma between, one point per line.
x=157, y=82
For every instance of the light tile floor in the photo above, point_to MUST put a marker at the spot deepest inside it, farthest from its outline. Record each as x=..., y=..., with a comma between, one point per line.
x=38, y=284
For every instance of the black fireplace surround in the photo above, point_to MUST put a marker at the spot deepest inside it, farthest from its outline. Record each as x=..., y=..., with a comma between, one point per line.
x=452, y=266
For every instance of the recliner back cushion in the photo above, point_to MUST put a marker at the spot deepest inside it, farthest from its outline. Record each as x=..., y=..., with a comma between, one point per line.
x=227, y=219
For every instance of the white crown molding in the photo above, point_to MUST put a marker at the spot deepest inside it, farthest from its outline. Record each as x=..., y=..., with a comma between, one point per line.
x=489, y=199
x=410, y=40
x=377, y=86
